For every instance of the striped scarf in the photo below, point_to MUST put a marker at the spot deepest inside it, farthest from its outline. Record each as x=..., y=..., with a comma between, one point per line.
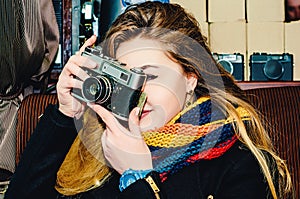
x=200, y=132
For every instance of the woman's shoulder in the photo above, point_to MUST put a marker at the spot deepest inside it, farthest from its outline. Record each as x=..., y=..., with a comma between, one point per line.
x=236, y=171
x=238, y=154
x=236, y=159
x=239, y=159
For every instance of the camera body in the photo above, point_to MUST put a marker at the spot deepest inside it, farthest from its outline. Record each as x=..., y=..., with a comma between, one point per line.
x=232, y=63
x=111, y=85
x=271, y=67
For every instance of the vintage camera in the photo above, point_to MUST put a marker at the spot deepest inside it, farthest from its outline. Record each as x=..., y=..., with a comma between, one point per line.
x=111, y=85
x=271, y=67
x=232, y=63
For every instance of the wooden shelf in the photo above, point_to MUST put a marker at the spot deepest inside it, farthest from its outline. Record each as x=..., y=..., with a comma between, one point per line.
x=246, y=85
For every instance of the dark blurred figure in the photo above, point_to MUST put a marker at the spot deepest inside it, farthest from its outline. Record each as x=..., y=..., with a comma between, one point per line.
x=29, y=42
x=292, y=10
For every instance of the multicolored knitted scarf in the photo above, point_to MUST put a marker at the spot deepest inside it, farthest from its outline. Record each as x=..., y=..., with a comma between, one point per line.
x=199, y=132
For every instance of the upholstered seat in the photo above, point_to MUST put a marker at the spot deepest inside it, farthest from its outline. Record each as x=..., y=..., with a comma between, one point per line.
x=31, y=109
x=279, y=106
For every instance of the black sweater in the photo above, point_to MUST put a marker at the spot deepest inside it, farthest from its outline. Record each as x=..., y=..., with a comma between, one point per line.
x=236, y=174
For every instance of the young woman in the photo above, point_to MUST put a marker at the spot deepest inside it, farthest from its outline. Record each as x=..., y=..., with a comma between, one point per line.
x=196, y=137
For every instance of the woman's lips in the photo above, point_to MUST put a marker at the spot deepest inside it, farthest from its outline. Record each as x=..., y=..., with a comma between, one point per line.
x=145, y=113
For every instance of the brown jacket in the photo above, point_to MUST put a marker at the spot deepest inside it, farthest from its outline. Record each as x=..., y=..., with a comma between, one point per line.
x=29, y=42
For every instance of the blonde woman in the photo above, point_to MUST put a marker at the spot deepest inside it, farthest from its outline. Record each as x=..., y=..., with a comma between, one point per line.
x=196, y=136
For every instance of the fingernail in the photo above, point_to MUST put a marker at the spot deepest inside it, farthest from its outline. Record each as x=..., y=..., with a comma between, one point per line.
x=137, y=111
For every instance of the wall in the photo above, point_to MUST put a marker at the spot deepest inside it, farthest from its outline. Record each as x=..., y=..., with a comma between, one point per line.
x=241, y=26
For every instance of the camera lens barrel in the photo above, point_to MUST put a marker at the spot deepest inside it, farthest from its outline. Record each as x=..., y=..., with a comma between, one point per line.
x=273, y=69
x=227, y=65
x=97, y=89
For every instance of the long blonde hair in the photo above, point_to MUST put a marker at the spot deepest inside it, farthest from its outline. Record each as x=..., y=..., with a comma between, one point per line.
x=180, y=33
x=170, y=24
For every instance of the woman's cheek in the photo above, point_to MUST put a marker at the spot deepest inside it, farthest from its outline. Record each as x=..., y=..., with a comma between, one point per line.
x=163, y=109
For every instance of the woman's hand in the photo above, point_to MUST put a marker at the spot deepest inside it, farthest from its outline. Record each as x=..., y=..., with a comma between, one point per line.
x=68, y=105
x=124, y=149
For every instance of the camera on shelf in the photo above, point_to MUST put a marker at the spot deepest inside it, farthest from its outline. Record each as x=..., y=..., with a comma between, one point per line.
x=271, y=67
x=232, y=63
x=111, y=85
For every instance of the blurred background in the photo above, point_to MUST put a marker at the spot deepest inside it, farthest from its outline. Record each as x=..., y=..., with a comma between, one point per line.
x=255, y=40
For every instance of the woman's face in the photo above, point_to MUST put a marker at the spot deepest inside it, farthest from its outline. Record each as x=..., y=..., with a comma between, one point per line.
x=166, y=85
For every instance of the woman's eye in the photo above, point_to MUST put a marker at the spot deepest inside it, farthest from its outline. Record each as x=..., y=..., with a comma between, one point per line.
x=151, y=77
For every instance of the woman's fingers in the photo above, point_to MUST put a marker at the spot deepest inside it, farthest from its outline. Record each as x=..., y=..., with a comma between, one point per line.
x=105, y=115
x=72, y=76
x=134, y=122
x=91, y=41
x=65, y=84
x=113, y=124
x=75, y=64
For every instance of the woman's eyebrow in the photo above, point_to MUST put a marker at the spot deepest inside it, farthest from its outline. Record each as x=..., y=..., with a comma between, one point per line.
x=148, y=66
x=149, y=75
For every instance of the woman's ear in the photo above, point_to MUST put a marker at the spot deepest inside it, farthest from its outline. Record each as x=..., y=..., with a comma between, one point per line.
x=191, y=81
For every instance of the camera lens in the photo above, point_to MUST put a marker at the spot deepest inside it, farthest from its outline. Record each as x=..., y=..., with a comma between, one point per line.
x=227, y=65
x=94, y=89
x=273, y=69
x=97, y=89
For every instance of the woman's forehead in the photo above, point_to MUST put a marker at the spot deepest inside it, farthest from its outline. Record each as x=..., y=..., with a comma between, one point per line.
x=138, y=44
x=145, y=52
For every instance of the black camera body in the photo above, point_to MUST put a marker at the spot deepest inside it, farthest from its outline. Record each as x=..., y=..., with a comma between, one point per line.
x=111, y=85
x=232, y=63
x=271, y=67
